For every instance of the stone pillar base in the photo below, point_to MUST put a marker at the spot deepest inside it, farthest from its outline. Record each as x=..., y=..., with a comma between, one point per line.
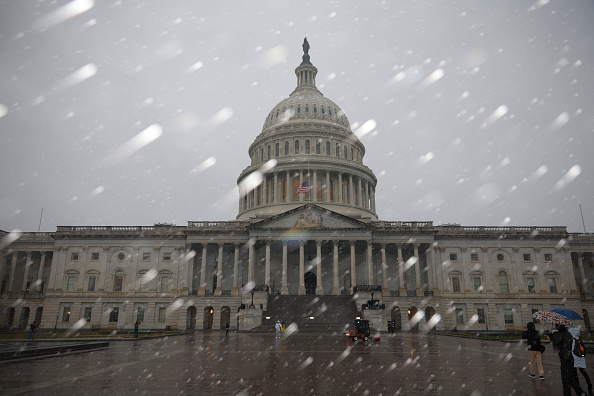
x=402, y=292
x=218, y=291
x=385, y=293
x=336, y=291
x=201, y=292
x=301, y=291
x=319, y=291
x=284, y=290
x=420, y=293
x=235, y=291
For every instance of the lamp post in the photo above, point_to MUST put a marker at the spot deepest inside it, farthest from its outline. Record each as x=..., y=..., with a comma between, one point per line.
x=252, y=305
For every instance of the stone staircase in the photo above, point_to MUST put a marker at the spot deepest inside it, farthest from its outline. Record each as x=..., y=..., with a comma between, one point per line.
x=312, y=314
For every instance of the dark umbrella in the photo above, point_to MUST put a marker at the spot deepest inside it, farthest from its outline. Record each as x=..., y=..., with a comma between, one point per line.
x=568, y=313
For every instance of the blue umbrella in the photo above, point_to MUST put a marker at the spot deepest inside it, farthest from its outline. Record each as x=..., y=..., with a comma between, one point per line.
x=568, y=313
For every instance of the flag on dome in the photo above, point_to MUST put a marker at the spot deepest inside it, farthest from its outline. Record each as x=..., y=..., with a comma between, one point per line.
x=304, y=187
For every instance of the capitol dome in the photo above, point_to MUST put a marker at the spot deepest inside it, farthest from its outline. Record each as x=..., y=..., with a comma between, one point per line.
x=306, y=141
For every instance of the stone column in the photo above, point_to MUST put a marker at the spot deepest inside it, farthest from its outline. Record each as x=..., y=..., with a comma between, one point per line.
x=339, y=195
x=327, y=191
x=26, y=274
x=53, y=269
x=202, y=288
x=567, y=285
x=189, y=259
x=336, y=283
x=370, y=277
x=267, y=266
x=353, y=267
x=264, y=189
x=301, y=290
x=12, y=270
x=315, y=186
x=300, y=181
x=385, y=291
x=541, y=282
x=219, y=290
x=436, y=284
x=418, y=280
x=360, y=193
x=251, y=261
x=235, y=290
x=319, y=285
x=289, y=188
x=275, y=189
x=582, y=273
x=516, y=272
x=372, y=199
x=401, y=271
x=284, y=286
x=351, y=188
x=489, y=285
x=40, y=272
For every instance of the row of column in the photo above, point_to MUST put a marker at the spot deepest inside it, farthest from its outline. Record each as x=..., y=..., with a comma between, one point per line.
x=318, y=259
x=12, y=271
x=365, y=196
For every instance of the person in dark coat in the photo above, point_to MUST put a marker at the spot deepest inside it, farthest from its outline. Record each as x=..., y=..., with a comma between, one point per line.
x=227, y=329
x=579, y=362
x=563, y=341
x=532, y=337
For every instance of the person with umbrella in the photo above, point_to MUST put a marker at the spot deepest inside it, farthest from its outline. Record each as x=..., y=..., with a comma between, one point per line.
x=563, y=341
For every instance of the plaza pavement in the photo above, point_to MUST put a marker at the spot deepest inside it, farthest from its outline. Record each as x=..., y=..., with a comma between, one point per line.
x=210, y=363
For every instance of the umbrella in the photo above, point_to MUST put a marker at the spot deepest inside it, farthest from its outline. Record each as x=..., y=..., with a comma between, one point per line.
x=552, y=317
x=568, y=313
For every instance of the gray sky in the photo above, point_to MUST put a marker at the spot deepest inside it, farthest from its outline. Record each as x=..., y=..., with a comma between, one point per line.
x=483, y=110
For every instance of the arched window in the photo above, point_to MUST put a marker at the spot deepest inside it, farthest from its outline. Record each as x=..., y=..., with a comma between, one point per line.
x=337, y=149
x=299, y=109
x=296, y=146
x=503, y=283
x=330, y=112
x=318, y=147
x=315, y=110
x=277, y=150
x=307, y=108
x=307, y=147
x=277, y=113
x=352, y=154
x=269, y=149
x=118, y=280
x=327, y=148
x=286, y=148
x=323, y=112
x=345, y=152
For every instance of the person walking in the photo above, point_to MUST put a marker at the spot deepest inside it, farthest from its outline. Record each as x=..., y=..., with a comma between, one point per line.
x=563, y=341
x=136, y=326
x=227, y=329
x=579, y=362
x=32, y=328
x=532, y=337
x=277, y=326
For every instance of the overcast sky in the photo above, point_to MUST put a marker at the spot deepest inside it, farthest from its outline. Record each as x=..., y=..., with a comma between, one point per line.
x=141, y=112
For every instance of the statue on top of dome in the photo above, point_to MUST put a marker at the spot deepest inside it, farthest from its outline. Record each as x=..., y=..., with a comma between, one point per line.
x=305, y=46
x=305, y=56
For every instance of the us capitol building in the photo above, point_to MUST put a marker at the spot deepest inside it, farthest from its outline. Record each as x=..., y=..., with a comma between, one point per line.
x=306, y=226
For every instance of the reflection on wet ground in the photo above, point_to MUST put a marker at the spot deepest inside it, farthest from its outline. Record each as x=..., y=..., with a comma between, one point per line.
x=303, y=364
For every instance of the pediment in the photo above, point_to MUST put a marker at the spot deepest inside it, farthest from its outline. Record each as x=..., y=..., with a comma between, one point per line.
x=309, y=216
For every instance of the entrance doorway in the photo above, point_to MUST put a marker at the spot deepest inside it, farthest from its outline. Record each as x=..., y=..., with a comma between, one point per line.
x=310, y=283
x=191, y=318
x=225, y=317
x=412, y=312
x=208, y=317
x=397, y=318
x=24, y=318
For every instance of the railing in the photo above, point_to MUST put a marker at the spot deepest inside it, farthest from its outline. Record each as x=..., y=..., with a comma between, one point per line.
x=208, y=293
x=500, y=230
x=428, y=293
x=261, y=287
x=226, y=292
x=411, y=293
x=367, y=288
x=394, y=293
x=409, y=224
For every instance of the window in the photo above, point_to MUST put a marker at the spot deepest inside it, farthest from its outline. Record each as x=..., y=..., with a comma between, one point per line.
x=95, y=256
x=500, y=257
x=338, y=149
x=307, y=108
x=456, y=284
x=166, y=256
x=73, y=256
x=143, y=282
x=277, y=150
x=92, y=282
x=537, y=321
x=352, y=154
x=315, y=110
x=327, y=148
x=527, y=257
x=66, y=314
x=323, y=112
x=140, y=314
x=480, y=312
x=318, y=148
x=70, y=283
x=162, y=316
x=548, y=257
x=269, y=151
x=118, y=280
x=286, y=148
x=345, y=152
x=88, y=313
x=307, y=147
x=531, y=285
x=508, y=316
x=503, y=283
x=296, y=146
x=474, y=257
x=121, y=256
x=114, y=315
x=165, y=283
x=453, y=257
x=146, y=256
x=476, y=281
x=552, y=284
x=459, y=316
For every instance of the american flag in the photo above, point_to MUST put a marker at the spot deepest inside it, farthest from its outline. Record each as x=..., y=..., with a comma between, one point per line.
x=304, y=187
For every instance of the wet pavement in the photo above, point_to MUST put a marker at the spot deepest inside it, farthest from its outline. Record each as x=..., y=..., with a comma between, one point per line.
x=302, y=364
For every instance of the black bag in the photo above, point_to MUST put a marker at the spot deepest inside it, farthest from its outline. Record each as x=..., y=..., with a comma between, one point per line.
x=578, y=347
x=541, y=348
